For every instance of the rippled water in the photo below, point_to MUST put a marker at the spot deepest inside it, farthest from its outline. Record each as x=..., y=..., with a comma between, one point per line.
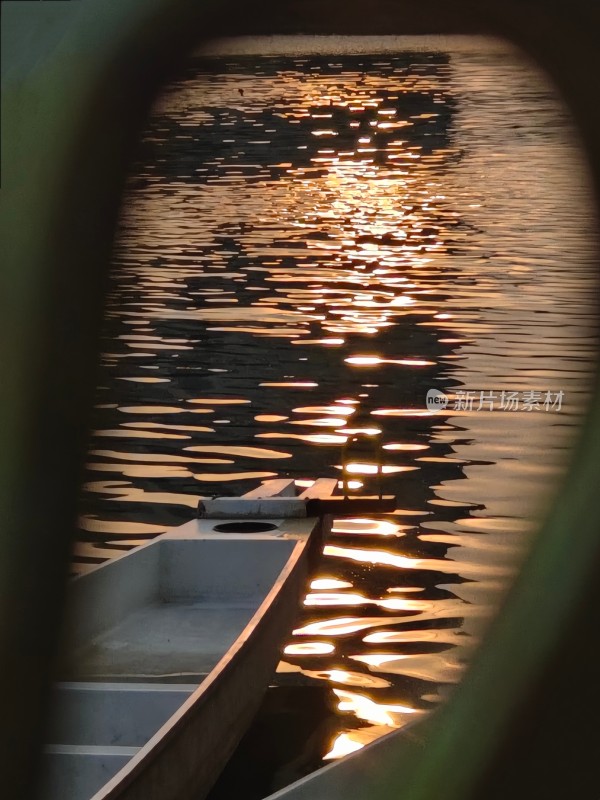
x=309, y=243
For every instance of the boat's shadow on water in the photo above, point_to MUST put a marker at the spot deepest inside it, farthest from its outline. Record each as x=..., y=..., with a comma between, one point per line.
x=289, y=737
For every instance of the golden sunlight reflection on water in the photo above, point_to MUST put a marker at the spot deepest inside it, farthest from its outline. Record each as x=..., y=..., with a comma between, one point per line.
x=300, y=265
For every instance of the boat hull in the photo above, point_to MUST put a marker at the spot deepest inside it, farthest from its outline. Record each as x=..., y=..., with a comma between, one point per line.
x=186, y=756
x=188, y=567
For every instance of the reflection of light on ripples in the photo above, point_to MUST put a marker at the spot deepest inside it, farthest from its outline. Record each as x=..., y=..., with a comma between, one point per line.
x=342, y=626
x=125, y=492
x=291, y=385
x=346, y=677
x=226, y=401
x=145, y=380
x=335, y=599
x=329, y=583
x=162, y=426
x=438, y=667
x=342, y=746
x=330, y=342
x=119, y=433
x=385, y=558
x=444, y=636
x=162, y=410
x=341, y=409
x=221, y=477
x=402, y=412
x=374, y=557
x=309, y=649
x=398, y=446
x=351, y=741
x=355, y=468
x=367, y=527
x=349, y=599
x=241, y=450
x=144, y=470
x=372, y=361
x=325, y=422
x=313, y=438
x=376, y=713
x=364, y=430
x=350, y=484
x=164, y=458
x=303, y=483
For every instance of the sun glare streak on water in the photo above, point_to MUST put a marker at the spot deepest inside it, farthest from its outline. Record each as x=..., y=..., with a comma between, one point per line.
x=300, y=263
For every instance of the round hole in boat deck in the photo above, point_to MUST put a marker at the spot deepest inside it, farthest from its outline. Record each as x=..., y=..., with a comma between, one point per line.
x=245, y=527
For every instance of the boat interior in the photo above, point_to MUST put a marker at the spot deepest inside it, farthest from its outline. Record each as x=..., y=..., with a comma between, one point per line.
x=145, y=630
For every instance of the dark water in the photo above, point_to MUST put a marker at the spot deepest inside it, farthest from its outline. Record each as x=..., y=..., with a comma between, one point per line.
x=309, y=243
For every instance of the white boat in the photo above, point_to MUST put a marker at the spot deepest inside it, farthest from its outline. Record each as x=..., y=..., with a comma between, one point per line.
x=172, y=645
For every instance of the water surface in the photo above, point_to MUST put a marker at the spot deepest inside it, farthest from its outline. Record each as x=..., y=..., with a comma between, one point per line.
x=310, y=241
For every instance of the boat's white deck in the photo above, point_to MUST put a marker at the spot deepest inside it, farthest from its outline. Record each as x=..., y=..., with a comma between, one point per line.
x=99, y=728
x=164, y=640
x=170, y=609
x=99, y=714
